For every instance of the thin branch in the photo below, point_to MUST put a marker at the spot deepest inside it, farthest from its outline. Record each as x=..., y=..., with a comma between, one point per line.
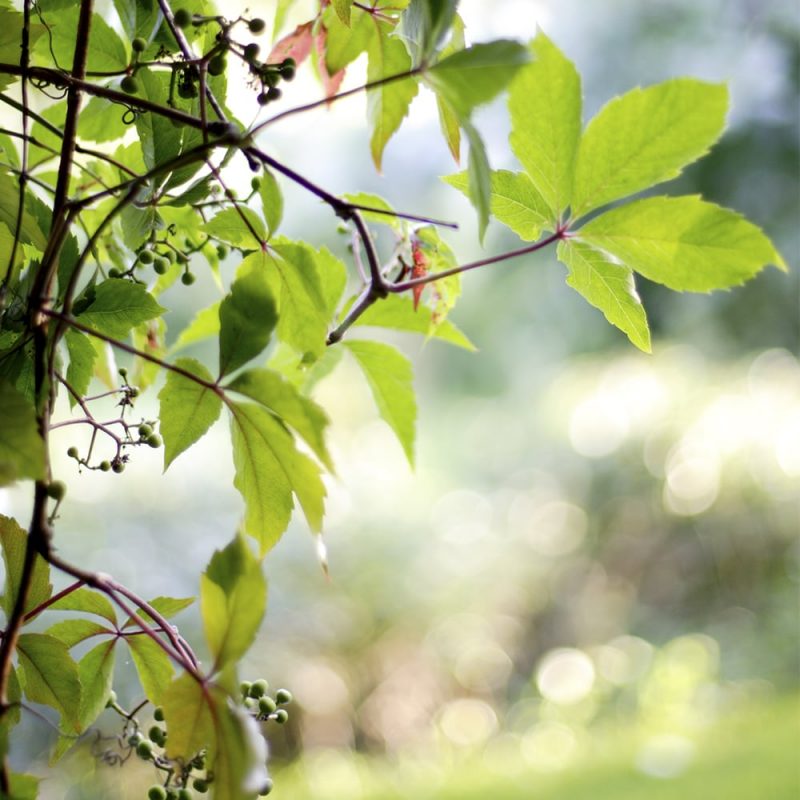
x=53, y=599
x=387, y=212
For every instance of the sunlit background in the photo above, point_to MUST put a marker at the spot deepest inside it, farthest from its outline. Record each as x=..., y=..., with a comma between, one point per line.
x=588, y=588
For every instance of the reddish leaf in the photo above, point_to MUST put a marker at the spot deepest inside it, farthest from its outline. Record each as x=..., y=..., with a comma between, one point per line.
x=330, y=82
x=419, y=270
x=296, y=45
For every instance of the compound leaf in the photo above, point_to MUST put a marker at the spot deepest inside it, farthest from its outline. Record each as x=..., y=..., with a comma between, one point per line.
x=118, y=307
x=13, y=540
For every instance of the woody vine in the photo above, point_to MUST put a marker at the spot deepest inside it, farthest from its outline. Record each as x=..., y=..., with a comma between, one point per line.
x=87, y=248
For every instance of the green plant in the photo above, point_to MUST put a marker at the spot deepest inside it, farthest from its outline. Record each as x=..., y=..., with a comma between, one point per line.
x=71, y=283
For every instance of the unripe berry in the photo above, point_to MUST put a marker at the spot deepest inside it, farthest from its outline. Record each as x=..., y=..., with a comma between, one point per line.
x=158, y=714
x=288, y=62
x=251, y=52
x=72, y=452
x=117, y=466
x=262, y=99
x=188, y=278
x=135, y=738
x=146, y=256
x=122, y=372
x=256, y=25
x=183, y=18
x=144, y=431
x=139, y=45
x=283, y=696
x=129, y=85
x=184, y=794
x=160, y=266
x=222, y=251
x=145, y=750
x=258, y=688
x=244, y=687
x=199, y=785
x=56, y=490
x=216, y=66
x=105, y=466
x=288, y=73
x=266, y=705
x=153, y=440
x=114, y=273
x=274, y=93
x=156, y=734
x=281, y=715
x=157, y=793
x=255, y=183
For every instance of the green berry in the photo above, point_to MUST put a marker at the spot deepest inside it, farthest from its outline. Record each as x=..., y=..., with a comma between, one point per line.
x=133, y=391
x=288, y=73
x=266, y=705
x=251, y=52
x=255, y=183
x=160, y=266
x=144, y=431
x=184, y=794
x=122, y=372
x=283, y=696
x=144, y=749
x=256, y=25
x=117, y=466
x=129, y=85
x=274, y=93
x=156, y=734
x=270, y=77
x=183, y=18
x=199, y=785
x=139, y=45
x=258, y=688
x=158, y=714
x=266, y=788
x=157, y=792
x=187, y=90
x=216, y=66
x=72, y=452
x=281, y=715
x=56, y=490
x=288, y=62
x=222, y=251
x=153, y=440
x=135, y=738
x=114, y=273
x=244, y=687
x=188, y=278
x=105, y=466
x=146, y=256
x=168, y=256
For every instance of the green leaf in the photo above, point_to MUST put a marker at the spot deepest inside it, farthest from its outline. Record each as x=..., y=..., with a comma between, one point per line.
x=167, y=607
x=342, y=10
x=230, y=227
x=425, y=24
x=233, y=598
x=608, y=286
x=645, y=137
x=82, y=356
x=514, y=201
x=387, y=105
x=96, y=672
x=139, y=18
x=50, y=676
x=398, y=313
x=21, y=447
x=74, y=631
x=13, y=540
x=204, y=325
x=23, y=787
x=268, y=469
x=344, y=44
x=247, y=315
x=390, y=377
x=100, y=120
x=202, y=716
x=11, y=23
x=138, y=223
x=448, y=119
x=13, y=713
x=153, y=666
x=544, y=102
x=187, y=409
x=274, y=392
x=271, y=200
x=474, y=76
x=683, y=242
x=479, y=177
x=119, y=306
x=159, y=138
x=88, y=601
x=30, y=232
x=375, y=201
x=106, y=52
x=302, y=313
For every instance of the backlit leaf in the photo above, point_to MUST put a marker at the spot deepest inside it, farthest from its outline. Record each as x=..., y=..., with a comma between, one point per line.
x=21, y=447
x=13, y=540
x=119, y=306
x=152, y=665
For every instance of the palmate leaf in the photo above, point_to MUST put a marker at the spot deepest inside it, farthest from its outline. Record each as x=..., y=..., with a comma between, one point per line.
x=233, y=598
x=425, y=24
x=544, y=102
x=608, y=286
x=645, y=137
x=390, y=377
x=229, y=226
x=188, y=409
x=344, y=44
x=118, y=307
x=88, y=601
x=106, y=52
x=685, y=243
x=448, y=119
x=152, y=665
x=269, y=469
x=13, y=540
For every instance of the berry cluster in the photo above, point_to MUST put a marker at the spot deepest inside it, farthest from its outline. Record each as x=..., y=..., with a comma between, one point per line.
x=261, y=705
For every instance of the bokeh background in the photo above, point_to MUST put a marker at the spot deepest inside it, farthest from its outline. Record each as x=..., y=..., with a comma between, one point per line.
x=589, y=585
